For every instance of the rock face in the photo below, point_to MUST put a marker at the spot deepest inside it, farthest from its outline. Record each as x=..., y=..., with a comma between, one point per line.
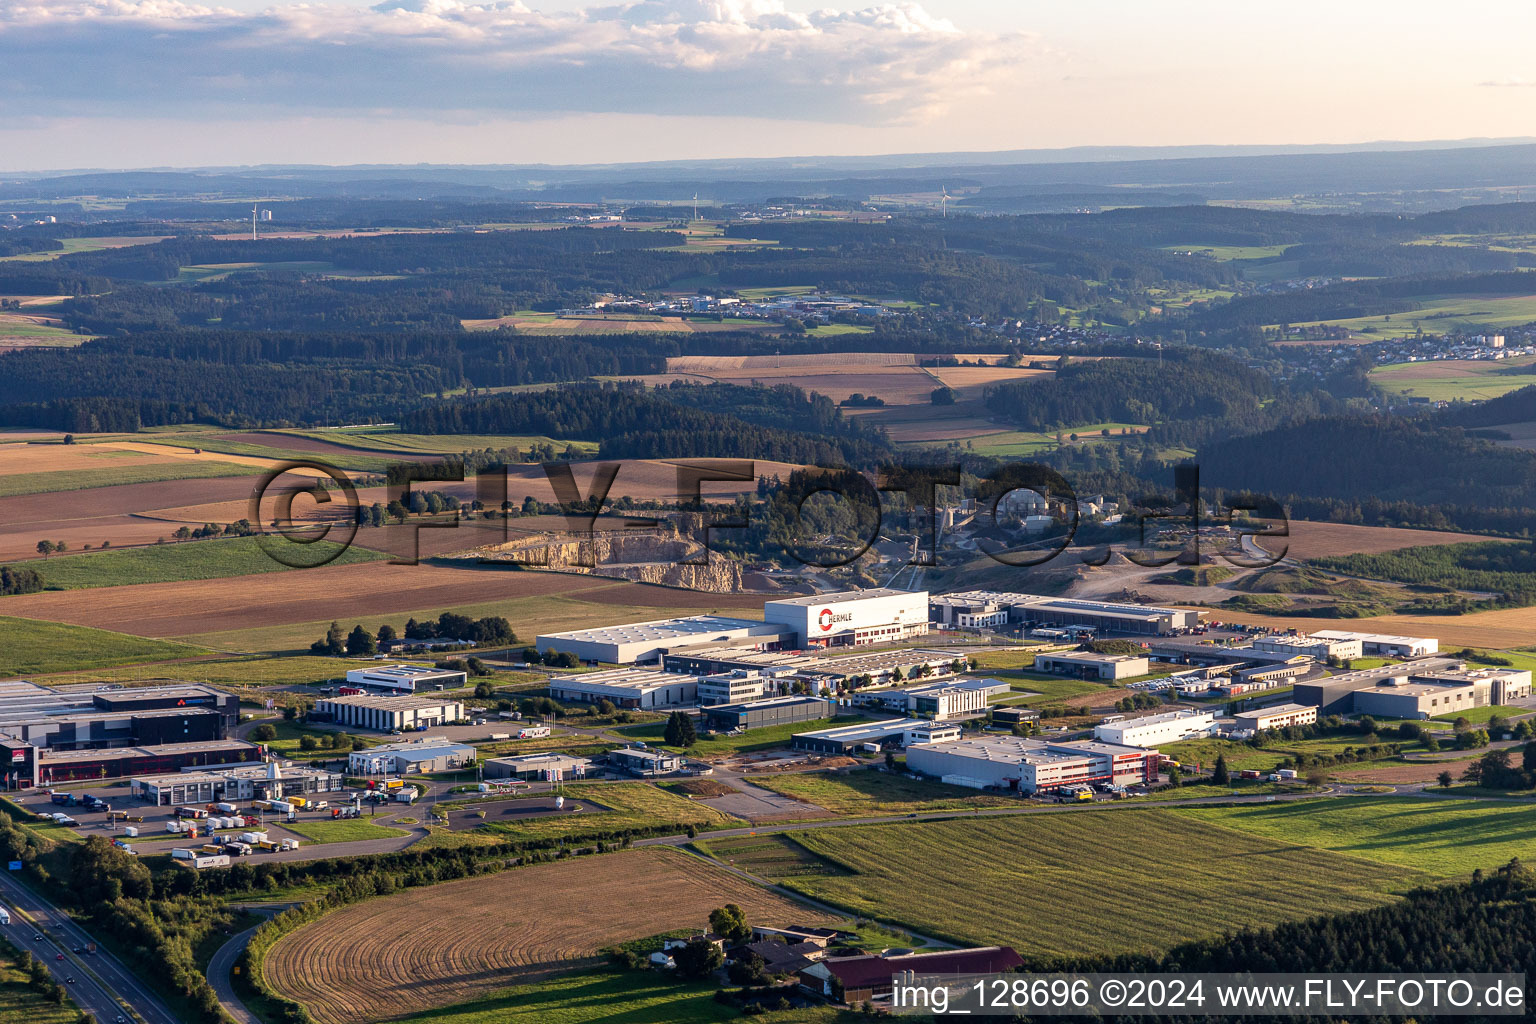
x=663, y=554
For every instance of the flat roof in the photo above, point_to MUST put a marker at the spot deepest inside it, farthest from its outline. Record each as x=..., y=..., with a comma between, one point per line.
x=259, y=772
x=1162, y=716
x=156, y=750
x=423, y=750
x=1375, y=638
x=661, y=629
x=391, y=702
x=1093, y=656
x=1274, y=709
x=539, y=760
x=1028, y=750
x=638, y=679
x=862, y=731
x=845, y=596
x=645, y=755
x=789, y=700
x=405, y=671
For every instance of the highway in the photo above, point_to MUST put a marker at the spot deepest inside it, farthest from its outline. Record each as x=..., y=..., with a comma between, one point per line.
x=103, y=986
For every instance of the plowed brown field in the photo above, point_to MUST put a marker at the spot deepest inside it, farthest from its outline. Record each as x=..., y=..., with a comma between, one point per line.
x=428, y=947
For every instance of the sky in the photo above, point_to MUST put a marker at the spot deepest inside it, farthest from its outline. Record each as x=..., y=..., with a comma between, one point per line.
x=143, y=83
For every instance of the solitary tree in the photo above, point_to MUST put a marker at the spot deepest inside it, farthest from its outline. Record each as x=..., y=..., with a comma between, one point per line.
x=45, y=548
x=360, y=641
x=264, y=733
x=680, y=731
x=1445, y=779
x=1219, y=774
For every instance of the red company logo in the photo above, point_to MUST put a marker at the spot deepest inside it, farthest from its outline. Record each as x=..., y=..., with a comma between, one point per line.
x=824, y=620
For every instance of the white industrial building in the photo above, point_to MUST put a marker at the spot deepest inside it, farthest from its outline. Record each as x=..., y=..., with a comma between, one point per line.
x=852, y=617
x=388, y=714
x=545, y=767
x=1152, y=730
x=947, y=699
x=735, y=687
x=247, y=782
x=627, y=688
x=407, y=678
x=1279, y=716
x=647, y=641
x=1032, y=765
x=1087, y=665
x=433, y=754
x=1385, y=644
x=1319, y=648
x=891, y=732
x=982, y=607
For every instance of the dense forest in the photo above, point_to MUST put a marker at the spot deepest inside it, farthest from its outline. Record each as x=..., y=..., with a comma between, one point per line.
x=1185, y=384
x=633, y=423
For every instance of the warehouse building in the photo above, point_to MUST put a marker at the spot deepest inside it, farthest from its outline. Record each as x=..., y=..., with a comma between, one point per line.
x=1033, y=765
x=644, y=762
x=541, y=767
x=851, y=737
x=760, y=713
x=649, y=641
x=1337, y=695
x=407, y=678
x=734, y=687
x=627, y=688
x=1010, y=717
x=418, y=757
x=981, y=607
x=1279, y=716
x=1152, y=730
x=143, y=716
x=1385, y=644
x=249, y=782
x=1276, y=673
x=1319, y=648
x=48, y=767
x=389, y=714
x=852, y=618
x=1087, y=665
x=708, y=662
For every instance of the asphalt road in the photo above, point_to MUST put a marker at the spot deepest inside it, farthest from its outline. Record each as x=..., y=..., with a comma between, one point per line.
x=223, y=984
x=103, y=986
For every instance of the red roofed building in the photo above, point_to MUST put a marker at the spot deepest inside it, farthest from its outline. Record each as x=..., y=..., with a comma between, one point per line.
x=857, y=979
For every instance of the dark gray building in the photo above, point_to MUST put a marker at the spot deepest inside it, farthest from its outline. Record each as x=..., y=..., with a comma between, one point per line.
x=754, y=714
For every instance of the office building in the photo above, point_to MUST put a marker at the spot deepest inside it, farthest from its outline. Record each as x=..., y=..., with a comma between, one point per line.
x=852, y=618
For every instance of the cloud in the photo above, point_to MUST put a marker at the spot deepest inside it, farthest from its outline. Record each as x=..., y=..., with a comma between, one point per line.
x=886, y=64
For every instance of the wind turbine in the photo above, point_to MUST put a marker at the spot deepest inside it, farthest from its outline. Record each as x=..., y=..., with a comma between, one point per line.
x=943, y=201
x=695, y=206
x=254, y=208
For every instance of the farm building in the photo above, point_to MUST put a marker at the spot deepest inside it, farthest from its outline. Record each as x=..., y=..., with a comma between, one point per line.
x=1385, y=644
x=648, y=641
x=1151, y=730
x=627, y=688
x=1087, y=665
x=369, y=711
x=862, y=979
x=1319, y=648
x=407, y=678
x=734, y=687
x=978, y=607
x=1032, y=765
x=892, y=732
x=773, y=711
x=544, y=767
x=852, y=618
x=417, y=757
x=1280, y=716
x=644, y=762
x=250, y=782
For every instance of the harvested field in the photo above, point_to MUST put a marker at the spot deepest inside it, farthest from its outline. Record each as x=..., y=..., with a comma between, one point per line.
x=95, y=514
x=1320, y=540
x=442, y=944
x=1497, y=630
x=731, y=364
x=897, y=385
x=962, y=377
x=1398, y=773
x=352, y=593
x=60, y=458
